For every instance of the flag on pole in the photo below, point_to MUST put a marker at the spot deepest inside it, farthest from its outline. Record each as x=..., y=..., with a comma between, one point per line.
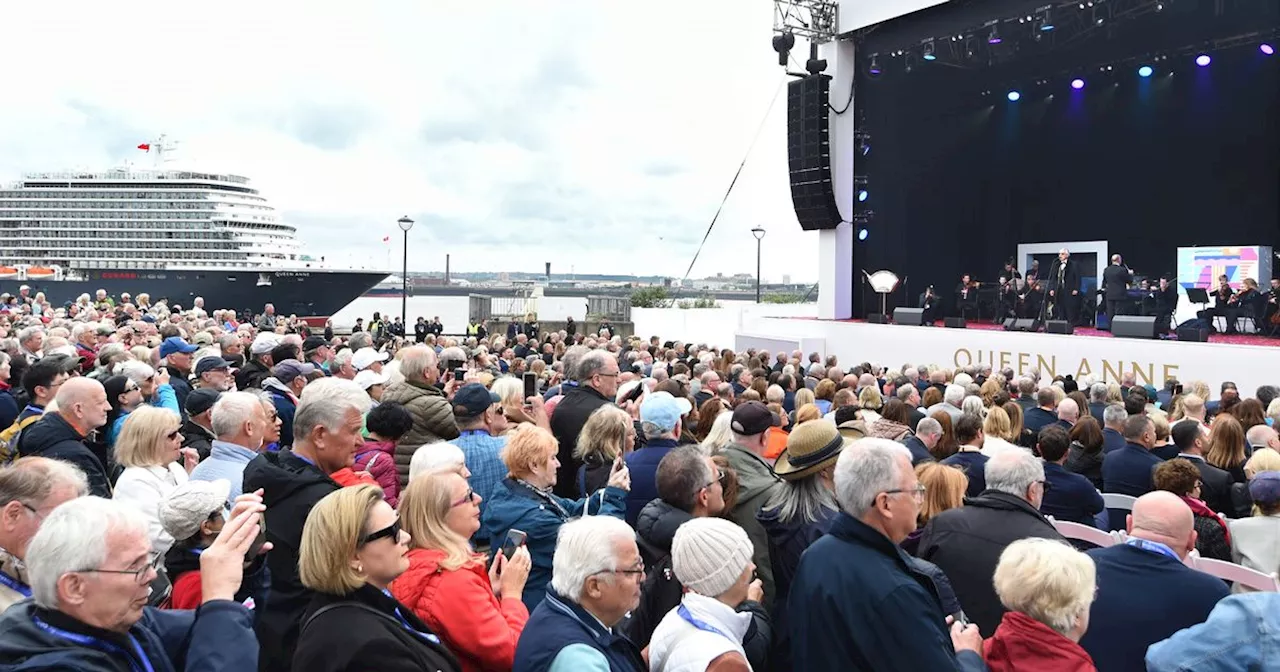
x=145, y=147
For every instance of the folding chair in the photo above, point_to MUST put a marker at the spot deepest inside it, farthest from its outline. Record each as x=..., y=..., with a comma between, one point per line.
x=1086, y=533
x=1230, y=571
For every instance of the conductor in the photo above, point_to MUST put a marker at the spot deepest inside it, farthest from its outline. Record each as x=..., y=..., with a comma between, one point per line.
x=1115, y=286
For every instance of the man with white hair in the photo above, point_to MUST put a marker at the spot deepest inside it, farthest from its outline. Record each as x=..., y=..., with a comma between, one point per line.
x=342, y=366
x=432, y=414
x=1068, y=414
x=1262, y=436
x=966, y=542
x=30, y=489
x=596, y=577
x=952, y=398
x=239, y=422
x=31, y=343
x=326, y=437
x=858, y=601
x=1097, y=401
x=922, y=443
x=90, y=567
x=596, y=374
x=82, y=407
x=1145, y=590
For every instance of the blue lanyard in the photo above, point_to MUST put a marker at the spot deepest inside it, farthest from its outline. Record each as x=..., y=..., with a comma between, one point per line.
x=689, y=618
x=138, y=661
x=34, y=409
x=1154, y=547
x=304, y=459
x=407, y=626
x=15, y=585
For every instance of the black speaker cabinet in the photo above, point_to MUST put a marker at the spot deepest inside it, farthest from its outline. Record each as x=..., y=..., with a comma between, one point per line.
x=909, y=316
x=955, y=322
x=1059, y=327
x=1133, y=326
x=1193, y=334
x=809, y=153
x=877, y=318
x=1020, y=324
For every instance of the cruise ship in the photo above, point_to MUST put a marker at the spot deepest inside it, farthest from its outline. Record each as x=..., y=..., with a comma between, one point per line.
x=172, y=234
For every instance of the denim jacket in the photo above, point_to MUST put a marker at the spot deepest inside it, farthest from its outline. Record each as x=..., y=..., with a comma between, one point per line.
x=1242, y=633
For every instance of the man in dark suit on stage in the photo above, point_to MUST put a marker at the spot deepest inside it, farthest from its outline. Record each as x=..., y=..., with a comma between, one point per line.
x=1064, y=287
x=1115, y=286
x=1166, y=305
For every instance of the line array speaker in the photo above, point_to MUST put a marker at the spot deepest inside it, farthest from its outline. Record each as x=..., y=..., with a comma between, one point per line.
x=809, y=153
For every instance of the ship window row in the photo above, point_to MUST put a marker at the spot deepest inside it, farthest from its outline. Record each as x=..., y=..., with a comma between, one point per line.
x=99, y=249
x=44, y=256
x=115, y=205
x=21, y=235
x=42, y=228
x=91, y=214
x=152, y=189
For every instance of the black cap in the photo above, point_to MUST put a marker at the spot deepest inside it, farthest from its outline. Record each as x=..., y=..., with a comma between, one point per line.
x=753, y=417
x=210, y=363
x=201, y=400
x=314, y=343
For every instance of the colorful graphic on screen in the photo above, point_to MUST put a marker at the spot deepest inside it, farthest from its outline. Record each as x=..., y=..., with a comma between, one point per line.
x=1201, y=266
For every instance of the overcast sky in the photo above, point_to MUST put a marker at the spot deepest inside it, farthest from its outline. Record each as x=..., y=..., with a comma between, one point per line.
x=598, y=135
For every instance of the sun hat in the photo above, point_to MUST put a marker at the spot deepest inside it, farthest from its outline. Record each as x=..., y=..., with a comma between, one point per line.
x=811, y=447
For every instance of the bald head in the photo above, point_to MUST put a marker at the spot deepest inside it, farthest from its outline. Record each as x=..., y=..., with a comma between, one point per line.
x=1163, y=517
x=1261, y=436
x=83, y=403
x=1068, y=410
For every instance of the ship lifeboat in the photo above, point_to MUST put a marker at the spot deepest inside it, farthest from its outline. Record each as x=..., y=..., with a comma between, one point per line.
x=7, y=272
x=41, y=272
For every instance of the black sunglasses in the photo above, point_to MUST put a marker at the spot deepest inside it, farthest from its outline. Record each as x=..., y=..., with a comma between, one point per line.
x=392, y=531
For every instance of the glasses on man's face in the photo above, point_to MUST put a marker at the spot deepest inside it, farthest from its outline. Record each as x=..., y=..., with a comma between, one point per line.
x=141, y=576
x=391, y=531
x=466, y=499
x=34, y=511
x=917, y=492
x=636, y=571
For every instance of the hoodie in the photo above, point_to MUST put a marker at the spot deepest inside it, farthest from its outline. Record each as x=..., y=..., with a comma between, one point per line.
x=291, y=486
x=286, y=405
x=53, y=437
x=378, y=458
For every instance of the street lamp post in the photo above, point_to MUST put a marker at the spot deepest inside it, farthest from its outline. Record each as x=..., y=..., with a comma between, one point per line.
x=759, y=234
x=405, y=224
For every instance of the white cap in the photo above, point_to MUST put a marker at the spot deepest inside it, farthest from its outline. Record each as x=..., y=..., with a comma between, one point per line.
x=368, y=378
x=263, y=343
x=365, y=357
x=190, y=504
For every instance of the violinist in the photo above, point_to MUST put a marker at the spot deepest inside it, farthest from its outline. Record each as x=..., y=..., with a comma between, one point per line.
x=1166, y=301
x=1006, y=298
x=1031, y=300
x=1221, y=298
x=1242, y=304
x=967, y=296
x=929, y=304
x=1273, y=303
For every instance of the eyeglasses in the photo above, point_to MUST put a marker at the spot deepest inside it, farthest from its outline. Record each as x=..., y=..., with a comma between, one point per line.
x=139, y=575
x=392, y=531
x=635, y=571
x=467, y=498
x=34, y=511
x=917, y=492
x=174, y=434
x=130, y=388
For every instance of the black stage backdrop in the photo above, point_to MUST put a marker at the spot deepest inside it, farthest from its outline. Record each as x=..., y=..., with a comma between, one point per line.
x=957, y=180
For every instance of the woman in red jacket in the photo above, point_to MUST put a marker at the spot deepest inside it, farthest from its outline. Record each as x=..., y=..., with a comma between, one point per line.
x=1048, y=588
x=386, y=423
x=479, y=614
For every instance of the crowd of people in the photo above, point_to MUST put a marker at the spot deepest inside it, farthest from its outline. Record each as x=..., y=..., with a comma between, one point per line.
x=180, y=490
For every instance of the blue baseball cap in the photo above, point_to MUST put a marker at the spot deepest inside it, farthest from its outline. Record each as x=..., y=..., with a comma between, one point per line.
x=175, y=344
x=473, y=399
x=663, y=410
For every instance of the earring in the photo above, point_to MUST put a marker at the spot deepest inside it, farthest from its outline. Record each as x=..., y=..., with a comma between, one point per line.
x=360, y=569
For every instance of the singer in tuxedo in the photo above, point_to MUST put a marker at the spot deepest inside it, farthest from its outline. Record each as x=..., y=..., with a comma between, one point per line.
x=1115, y=286
x=1064, y=287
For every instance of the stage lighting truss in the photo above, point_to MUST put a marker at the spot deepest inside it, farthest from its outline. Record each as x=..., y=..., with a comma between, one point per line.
x=813, y=20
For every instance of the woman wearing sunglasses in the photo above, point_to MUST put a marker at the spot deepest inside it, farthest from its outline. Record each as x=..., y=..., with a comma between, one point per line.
x=136, y=384
x=352, y=548
x=155, y=463
x=479, y=614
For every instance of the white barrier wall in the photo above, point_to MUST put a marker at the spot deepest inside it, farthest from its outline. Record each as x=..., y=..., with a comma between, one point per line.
x=1152, y=361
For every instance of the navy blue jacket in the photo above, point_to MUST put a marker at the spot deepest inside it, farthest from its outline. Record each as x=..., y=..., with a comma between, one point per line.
x=217, y=636
x=1096, y=409
x=1127, y=471
x=53, y=437
x=1111, y=440
x=557, y=623
x=643, y=465
x=919, y=453
x=1037, y=419
x=1069, y=496
x=975, y=467
x=858, y=603
x=788, y=540
x=285, y=408
x=8, y=409
x=1143, y=598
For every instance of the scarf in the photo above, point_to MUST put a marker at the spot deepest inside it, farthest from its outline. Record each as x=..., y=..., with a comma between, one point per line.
x=1200, y=509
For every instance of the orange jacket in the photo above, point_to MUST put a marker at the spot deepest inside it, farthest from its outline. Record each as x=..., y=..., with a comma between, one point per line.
x=775, y=441
x=460, y=607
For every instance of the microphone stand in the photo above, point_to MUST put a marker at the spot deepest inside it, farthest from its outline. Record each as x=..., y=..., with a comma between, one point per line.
x=1044, y=303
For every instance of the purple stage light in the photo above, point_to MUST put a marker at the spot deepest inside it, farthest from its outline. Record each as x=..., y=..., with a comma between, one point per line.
x=994, y=40
x=1203, y=59
x=1267, y=49
x=1077, y=84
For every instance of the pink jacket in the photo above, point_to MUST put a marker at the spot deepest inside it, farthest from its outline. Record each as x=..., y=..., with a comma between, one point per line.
x=379, y=459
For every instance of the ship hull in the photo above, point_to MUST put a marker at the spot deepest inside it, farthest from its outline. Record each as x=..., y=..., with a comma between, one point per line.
x=305, y=293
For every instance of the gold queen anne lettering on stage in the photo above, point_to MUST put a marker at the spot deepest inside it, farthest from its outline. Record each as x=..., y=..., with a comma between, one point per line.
x=1110, y=370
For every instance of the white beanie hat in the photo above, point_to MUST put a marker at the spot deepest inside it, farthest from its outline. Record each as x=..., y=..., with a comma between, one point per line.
x=709, y=554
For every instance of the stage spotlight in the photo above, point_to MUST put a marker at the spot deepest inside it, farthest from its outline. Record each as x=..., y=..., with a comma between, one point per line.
x=1203, y=59
x=1266, y=49
x=862, y=195
x=875, y=65
x=862, y=234
x=994, y=37
x=1014, y=96
x=1077, y=84
x=783, y=43
x=928, y=52
x=1047, y=24
x=1145, y=71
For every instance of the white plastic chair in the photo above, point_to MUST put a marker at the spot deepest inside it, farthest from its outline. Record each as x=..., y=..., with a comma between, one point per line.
x=1230, y=571
x=1114, y=500
x=1086, y=533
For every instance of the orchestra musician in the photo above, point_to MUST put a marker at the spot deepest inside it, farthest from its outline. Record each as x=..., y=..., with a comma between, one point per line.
x=1010, y=274
x=1006, y=298
x=929, y=303
x=1242, y=304
x=1033, y=273
x=1272, y=316
x=1064, y=288
x=1115, y=286
x=1166, y=305
x=1221, y=299
x=1032, y=299
x=967, y=296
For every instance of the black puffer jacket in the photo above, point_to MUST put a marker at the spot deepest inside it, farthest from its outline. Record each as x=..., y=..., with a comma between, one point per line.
x=291, y=487
x=966, y=544
x=566, y=423
x=53, y=437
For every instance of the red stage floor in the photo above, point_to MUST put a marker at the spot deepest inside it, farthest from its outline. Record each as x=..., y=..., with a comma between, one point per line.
x=1233, y=339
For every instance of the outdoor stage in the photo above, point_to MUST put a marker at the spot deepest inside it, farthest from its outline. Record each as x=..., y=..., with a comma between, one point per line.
x=1248, y=361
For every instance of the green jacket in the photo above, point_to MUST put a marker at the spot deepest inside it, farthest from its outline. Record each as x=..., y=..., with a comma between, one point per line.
x=756, y=485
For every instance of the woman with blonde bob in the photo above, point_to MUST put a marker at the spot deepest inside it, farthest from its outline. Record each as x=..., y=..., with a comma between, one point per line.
x=479, y=614
x=352, y=549
x=944, y=488
x=608, y=433
x=1048, y=588
x=155, y=463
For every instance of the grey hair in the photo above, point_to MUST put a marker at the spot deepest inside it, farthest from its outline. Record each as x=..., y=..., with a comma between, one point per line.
x=1098, y=393
x=928, y=427
x=591, y=363
x=415, y=362
x=904, y=393
x=866, y=468
x=1026, y=385
x=226, y=341
x=138, y=372
x=231, y=411
x=325, y=402
x=73, y=538
x=32, y=479
x=27, y=332
x=569, y=362
x=435, y=457
x=360, y=339
x=581, y=552
x=1114, y=414
x=343, y=358
x=954, y=395
x=974, y=406
x=802, y=500
x=1013, y=471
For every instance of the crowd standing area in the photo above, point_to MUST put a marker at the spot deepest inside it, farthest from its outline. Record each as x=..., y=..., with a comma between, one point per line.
x=181, y=490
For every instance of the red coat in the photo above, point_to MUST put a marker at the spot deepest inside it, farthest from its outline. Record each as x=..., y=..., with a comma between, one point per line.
x=383, y=469
x=1023, y=643
x=460, y=607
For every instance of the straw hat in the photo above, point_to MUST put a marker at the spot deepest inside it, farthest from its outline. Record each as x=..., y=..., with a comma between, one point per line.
x=811, y=447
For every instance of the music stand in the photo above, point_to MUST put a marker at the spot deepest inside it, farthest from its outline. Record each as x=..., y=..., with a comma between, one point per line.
x=1198, y=295
x=882, y=283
